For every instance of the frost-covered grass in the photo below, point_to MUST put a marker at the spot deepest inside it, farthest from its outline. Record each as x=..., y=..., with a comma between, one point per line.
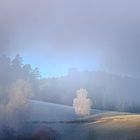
x=100, y=125
x=116, y=127
x=50, y=112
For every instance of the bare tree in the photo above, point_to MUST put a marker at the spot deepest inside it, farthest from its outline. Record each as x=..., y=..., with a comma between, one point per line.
x=82, y=104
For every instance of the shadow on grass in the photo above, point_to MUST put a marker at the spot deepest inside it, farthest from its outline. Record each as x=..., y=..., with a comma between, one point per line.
x=7, y=133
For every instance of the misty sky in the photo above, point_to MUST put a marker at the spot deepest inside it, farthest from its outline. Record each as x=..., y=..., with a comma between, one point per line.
x=56, y=35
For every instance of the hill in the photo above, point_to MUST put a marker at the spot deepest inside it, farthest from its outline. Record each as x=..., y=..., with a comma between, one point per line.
x=44, y=111
x=108, y=91
x=100, y=125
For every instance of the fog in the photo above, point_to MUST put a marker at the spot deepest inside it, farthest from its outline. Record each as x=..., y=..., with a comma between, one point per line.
x=96, y=34
x=98, y=39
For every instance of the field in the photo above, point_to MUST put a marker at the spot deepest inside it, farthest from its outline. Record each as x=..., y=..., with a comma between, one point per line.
x=60, y=122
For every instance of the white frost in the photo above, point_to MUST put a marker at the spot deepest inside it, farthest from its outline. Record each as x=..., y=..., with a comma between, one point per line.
x=82, y=104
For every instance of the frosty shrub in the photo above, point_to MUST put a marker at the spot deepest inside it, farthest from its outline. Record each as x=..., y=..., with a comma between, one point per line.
x=82, y=104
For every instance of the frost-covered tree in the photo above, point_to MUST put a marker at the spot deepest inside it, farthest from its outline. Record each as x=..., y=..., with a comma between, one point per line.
x=82, y=104
x=16, y=107
x=19, y=93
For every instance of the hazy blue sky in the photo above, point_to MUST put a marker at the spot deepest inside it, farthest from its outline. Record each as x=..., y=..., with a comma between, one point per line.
x=56, y=35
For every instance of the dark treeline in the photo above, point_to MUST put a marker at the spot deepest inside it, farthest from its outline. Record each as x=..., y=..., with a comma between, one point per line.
x=107, y=91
